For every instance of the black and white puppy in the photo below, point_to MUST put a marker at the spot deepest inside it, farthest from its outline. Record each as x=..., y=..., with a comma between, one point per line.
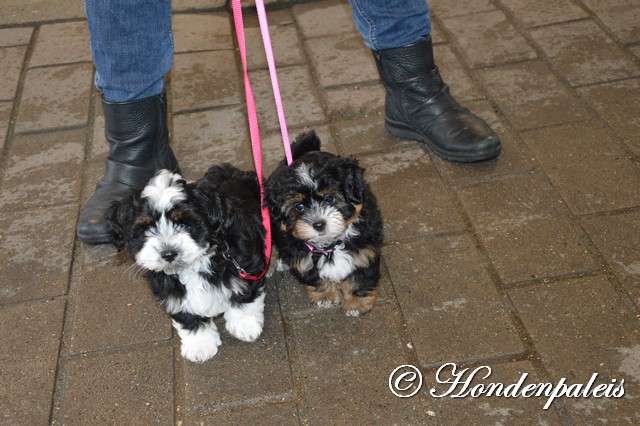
x=327, y=227
x=193, y=240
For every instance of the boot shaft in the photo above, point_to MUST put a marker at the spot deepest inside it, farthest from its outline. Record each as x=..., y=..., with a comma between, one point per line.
x=137, y=133
x=409, y=69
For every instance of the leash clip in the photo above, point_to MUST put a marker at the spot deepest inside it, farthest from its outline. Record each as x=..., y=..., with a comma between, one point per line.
x=226, y=256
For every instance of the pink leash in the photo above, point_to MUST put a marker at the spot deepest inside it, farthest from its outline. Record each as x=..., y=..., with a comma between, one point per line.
x=254, y=130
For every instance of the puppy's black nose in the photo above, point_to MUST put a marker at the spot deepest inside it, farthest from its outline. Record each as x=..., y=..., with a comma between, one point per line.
x=169, y=255
x=319, y=225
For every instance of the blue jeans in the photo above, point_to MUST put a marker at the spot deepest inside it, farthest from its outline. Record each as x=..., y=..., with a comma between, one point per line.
x=132, y=46
x=132, y=42
x=386, y=24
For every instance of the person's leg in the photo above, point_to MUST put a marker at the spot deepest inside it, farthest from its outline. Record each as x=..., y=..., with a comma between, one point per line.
x=385, y=24
x=132, y=48
x=418, y=104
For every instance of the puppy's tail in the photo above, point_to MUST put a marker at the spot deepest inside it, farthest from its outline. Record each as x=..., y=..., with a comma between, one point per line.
x=305, y=142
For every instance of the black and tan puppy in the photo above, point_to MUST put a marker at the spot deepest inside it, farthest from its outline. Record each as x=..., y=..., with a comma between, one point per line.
x=327, y=227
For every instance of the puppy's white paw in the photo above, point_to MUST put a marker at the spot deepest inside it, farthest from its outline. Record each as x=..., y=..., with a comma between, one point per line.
x=352, y=313
x=247, y=329
x=281, y=266
x=245, y=322
x=200, y=345
x=276, y=264
x=327, y=303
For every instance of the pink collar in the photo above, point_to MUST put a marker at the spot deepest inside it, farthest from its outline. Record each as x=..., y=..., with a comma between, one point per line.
x=326, y=251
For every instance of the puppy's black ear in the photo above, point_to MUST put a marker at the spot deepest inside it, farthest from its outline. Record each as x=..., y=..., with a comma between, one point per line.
x=119, y=218
x=352, y=176
x=305, y=142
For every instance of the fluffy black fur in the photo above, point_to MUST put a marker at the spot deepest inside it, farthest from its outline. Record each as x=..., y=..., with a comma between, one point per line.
x=191, y=235
x=321, y=193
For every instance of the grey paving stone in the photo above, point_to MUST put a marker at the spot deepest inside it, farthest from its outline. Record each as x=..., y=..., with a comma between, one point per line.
x=312, y=18
x=275, y=17
x=202, y=139
x=341, y=61
x=488, y=38
x=204, y=31
x=200, y=143
x=11, y=61
x=61, y=43
x=410, y=193
x=300, y=100
x=15, y=36
x=131, y=315
x=619, y=105
x=93, y=174
x=565, y=45
x=5, y=117
x=448, y=8
x=285, y=42
x=586, y=166
x=20, y=12
x=272, y=414
x=190, y=5
x=437, y=35
x=267, y=2
x=361, y=136
x=205, y=80
x=99, y=147
x=242, y=371
x=36, y=248
x=461, y=85
x=120, y=387
x=513, y=158
x=355, y=101
x=29, y=354
x=544, y=12
x=43, y=169
x=579, y=328
x=617, y=238
x=491, y=410
x=622, y=17
x=523, y=226
x=452, y=310
x=529, y=95
x=341, y=390
x=64, y=103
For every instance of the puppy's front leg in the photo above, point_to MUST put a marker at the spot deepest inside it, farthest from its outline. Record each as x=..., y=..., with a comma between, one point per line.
x=360, y=291
x=245, y=320
x=325, y=295
x=199, y=338
x=357, y=303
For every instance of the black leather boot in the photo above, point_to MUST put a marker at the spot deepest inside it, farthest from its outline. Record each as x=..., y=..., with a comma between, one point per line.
x=138, y=146
x=418, y=106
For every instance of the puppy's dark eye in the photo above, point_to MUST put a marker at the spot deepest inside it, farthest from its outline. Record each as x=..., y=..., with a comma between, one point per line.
x=299, y=207
x=329, y=199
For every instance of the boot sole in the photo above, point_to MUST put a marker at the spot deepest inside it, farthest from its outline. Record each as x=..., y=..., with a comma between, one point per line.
x=403, y=131
x=95, y=239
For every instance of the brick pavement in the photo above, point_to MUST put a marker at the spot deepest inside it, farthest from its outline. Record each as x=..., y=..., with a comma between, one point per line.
x=529, y=263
